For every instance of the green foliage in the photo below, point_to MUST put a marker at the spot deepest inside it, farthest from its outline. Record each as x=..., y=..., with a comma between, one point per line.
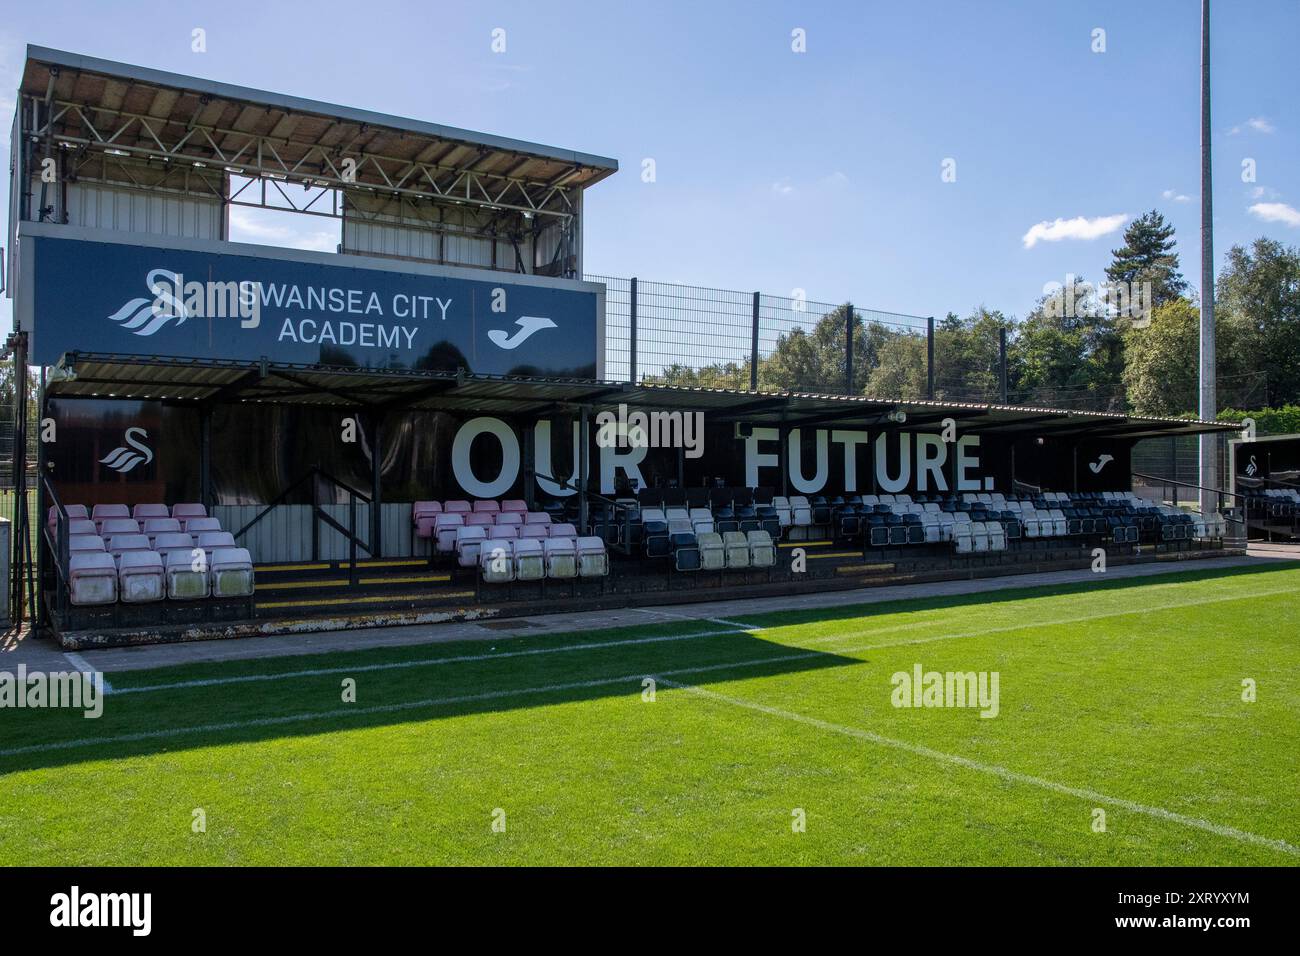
x=1268, y=421
x=1148, y=256
x=1259, y=291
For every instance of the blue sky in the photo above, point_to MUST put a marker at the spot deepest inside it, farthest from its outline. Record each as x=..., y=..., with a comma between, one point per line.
x=779, y=170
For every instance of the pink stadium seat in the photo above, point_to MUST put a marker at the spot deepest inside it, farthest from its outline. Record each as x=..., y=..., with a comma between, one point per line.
x=534, y=532
x=508, y=533
x=185, y=511
x=564, y=531
x=479, y=519
x=113, y=526
x=423, y=514
x=537, y=517
x=187, y=580
x=102, y=512
x=84, y=542
x=156, y=526
x=140, y=577
x=199, y=525
x=482, y=506
x=166, y=544
x=456, y=507
x=82, y=526
x=210, y=541
x=513, y=505
x=119, y=544
x=231, y=573
x=445, y=527
x=508, y=518
x=141, y=512
x=92, y=578
x=74, y=512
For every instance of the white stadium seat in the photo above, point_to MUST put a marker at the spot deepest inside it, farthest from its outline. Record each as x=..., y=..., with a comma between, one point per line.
x=231, y=572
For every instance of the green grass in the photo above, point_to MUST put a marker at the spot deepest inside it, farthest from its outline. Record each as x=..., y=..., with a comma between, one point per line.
x=1127, y=689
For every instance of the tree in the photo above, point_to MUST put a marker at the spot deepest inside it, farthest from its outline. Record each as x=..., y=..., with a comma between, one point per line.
x=813, y=361
x=1162, y=367
x=966, y=355
x=1148, y=256
x=1259, y=291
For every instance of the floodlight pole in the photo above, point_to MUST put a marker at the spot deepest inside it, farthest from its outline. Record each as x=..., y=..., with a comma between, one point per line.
x=1208, y=399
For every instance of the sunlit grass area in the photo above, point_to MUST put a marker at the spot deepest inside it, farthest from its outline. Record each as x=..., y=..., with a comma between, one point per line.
x=1121, y=736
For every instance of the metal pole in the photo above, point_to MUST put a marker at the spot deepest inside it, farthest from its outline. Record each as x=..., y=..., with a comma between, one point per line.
x=631, y=331
x=205, y=456
x=929, y=357
x=1002, y=365
x=753, y=348
x=1209, y=400
x=582, y=472
x=848, y=348
x=376, y=481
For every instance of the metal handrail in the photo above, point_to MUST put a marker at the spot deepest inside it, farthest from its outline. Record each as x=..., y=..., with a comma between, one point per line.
x=319, y=515
x=58, y=545
x=1187, y=484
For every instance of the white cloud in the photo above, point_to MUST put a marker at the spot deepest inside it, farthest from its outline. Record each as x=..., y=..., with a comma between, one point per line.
x=1257, y=123
x=1080, y=227
x=1276, y=212
x=1176, y=196
x=782, y=187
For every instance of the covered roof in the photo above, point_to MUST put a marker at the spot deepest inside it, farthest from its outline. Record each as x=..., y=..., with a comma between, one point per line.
x=210, y=122
x=208, y=381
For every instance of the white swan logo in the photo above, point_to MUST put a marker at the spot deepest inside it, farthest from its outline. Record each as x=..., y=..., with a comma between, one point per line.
x=146, y=316
x=1252, y=468
x=528, y=325
x=122, y=460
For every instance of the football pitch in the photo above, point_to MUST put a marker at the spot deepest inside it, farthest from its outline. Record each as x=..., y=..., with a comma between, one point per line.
x=1139, y=721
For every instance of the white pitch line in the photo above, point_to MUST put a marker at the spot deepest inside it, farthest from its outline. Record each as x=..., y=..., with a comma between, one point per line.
x=387, y=708
x=420, y=662
x=1012, y=776
x=741, y=629
x=81, y=664
x=658, y=612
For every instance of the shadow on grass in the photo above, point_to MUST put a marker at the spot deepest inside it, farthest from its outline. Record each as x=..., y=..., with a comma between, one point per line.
x=142, y=724
x=1004, y=595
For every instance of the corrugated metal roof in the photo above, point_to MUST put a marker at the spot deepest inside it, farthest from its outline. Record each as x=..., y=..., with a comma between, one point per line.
x=300, y=124
x=181, y=380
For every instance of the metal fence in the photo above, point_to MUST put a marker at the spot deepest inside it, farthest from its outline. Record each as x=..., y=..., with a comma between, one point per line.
x=697, y=335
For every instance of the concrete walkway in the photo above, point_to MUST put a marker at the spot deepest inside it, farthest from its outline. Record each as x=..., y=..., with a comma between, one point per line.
x=44, y=655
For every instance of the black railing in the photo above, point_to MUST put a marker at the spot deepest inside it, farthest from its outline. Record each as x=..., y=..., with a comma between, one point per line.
x=319, y=514
x=1165, y=484
x=58, y=546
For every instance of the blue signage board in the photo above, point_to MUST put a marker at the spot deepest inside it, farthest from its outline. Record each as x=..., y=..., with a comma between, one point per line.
x=179, y=301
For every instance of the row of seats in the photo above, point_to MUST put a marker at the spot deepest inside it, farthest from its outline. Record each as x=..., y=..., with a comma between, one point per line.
x=101, y=513
x=94, y=577
x=1273, y=503
x=150, y=552
x=728, y=551
x=468, y=542
x=503, y=560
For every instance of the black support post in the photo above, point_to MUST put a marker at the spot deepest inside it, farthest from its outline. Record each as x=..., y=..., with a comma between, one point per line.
x=582, y=471
x=1002, y=365
x=205, y=456
x=631, y=331
x=929, y=357
x=376, y=498
x=848, y=348
x=753, y=347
